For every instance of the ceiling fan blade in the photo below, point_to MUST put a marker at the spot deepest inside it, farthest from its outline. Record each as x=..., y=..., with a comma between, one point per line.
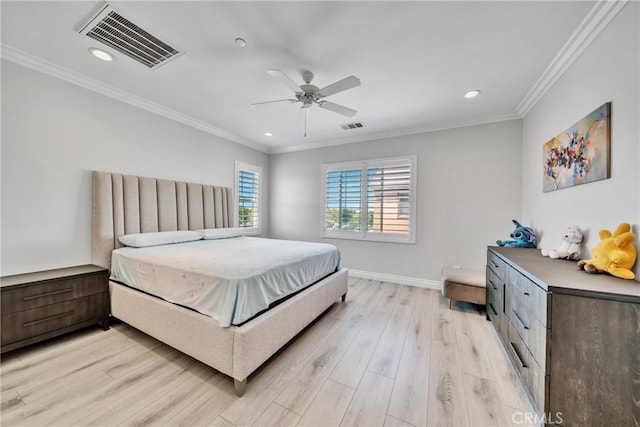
x=277, y=100
x=284, y=79
x=337, y=108
x=339, y=86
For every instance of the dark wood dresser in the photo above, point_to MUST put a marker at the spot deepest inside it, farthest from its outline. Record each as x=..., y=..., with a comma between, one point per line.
x=42, y=305
x=573, y=337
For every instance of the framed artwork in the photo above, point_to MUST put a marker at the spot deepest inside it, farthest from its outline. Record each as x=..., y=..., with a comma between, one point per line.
x=580, y=154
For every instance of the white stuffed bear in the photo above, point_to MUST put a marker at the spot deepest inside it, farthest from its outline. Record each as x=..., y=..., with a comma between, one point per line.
x=570, y=248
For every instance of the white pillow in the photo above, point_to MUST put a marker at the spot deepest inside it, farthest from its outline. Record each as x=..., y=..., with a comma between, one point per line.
x=222, y=233
x=142, y=240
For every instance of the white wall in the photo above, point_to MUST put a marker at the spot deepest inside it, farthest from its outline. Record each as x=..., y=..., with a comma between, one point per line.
x=608, y=70
x=54, y=133
x=469, y=182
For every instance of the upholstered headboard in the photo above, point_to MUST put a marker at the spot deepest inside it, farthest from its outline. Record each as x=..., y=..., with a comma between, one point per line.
x=125, y=204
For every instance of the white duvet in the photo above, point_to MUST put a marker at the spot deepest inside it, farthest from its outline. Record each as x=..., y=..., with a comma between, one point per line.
x=230, y=280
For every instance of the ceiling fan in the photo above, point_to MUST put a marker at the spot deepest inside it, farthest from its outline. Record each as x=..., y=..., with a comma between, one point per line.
x=308, y=94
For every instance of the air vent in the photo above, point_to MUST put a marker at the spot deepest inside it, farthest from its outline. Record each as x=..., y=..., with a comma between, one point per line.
x=111, y=28
x=349, y=126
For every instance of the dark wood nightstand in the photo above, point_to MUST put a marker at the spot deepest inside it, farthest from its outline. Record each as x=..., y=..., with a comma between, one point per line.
x=41, y=305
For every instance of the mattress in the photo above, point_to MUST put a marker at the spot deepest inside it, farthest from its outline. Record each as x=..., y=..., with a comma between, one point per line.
x=230, y=280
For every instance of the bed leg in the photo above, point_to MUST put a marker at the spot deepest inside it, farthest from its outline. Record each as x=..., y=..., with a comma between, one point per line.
x=344, y=297
x=240, y=386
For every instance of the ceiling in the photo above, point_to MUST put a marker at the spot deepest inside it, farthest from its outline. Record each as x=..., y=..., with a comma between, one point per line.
x=415, y=61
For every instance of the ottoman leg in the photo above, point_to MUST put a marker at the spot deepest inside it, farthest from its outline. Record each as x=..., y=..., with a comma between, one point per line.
x=449, y=303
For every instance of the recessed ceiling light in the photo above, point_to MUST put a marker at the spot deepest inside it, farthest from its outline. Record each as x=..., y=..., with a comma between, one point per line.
x=241, y=42
x=268, y=134
x=472, y=93
x=101, y=54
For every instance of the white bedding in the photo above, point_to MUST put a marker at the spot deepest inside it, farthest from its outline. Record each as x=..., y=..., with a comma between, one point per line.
x=230, y=280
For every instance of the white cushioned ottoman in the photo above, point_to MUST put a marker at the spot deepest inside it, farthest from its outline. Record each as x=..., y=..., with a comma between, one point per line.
x=461, y=284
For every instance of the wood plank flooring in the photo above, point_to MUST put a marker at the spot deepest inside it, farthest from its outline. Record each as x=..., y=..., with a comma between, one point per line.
x=391, y=355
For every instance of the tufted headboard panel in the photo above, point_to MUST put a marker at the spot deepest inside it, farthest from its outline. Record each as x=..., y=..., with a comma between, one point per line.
x=125, y=204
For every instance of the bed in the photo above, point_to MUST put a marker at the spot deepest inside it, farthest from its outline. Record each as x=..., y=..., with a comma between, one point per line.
x=127, y=204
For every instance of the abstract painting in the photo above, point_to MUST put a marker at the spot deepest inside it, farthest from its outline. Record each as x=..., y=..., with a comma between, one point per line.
x=580, y=154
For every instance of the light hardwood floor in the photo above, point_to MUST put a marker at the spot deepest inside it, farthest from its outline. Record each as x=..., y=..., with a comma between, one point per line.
x=390, y=356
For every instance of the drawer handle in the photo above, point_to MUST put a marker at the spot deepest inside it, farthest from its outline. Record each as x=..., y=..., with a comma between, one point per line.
x=46, y=319
x=48, y=294
x=517, y=352
x=515, y=313
x=494, y=264
x=527, y=293
x=494, y=310
x=494, y=286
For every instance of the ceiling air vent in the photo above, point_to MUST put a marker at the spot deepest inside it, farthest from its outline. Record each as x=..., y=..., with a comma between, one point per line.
x=349, y=126
x=111, y=28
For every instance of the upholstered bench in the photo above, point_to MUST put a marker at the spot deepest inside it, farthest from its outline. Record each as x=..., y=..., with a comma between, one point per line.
x=461, y=284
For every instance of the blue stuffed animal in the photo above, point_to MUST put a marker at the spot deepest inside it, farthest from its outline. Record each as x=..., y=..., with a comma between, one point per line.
x=523, y=237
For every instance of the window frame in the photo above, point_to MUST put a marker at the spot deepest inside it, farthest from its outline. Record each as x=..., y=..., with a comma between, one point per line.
x=364, y=233
x=247, y=167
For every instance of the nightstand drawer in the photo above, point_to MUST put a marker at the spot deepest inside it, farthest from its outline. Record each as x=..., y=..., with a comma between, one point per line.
x=42, y=294
x=34, y=322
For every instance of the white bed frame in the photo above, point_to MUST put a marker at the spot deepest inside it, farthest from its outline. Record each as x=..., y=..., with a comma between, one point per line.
x=124, y=204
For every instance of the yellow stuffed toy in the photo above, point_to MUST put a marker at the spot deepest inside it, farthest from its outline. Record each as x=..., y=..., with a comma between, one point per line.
x=615, y=254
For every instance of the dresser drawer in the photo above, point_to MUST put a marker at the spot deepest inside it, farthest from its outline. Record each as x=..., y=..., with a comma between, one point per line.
x=498, y=319
x=537, y=301
x=518, y=312
x=30, y=323
x=532, y=375
x=517, y=352
x=530, y=329
x=496, y=264
x=495, y=288
x=537, y=341
x=495, y=308
x=52, y=292
x=512, y=277
x=536, y=383
x=533, y=296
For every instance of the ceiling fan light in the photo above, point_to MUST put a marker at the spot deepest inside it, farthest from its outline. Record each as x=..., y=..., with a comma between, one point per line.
x=472, y=93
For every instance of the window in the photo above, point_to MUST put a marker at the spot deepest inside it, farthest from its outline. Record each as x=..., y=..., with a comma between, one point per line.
x=370, y=200
x=248, y=196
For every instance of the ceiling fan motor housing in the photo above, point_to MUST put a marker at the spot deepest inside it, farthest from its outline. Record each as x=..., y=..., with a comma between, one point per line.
x=307, y=76
x=309, y=95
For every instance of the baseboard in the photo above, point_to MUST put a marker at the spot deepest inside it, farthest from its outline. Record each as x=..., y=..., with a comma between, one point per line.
x=400, y=280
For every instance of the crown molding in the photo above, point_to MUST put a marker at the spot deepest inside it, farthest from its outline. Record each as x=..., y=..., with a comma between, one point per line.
x=392, y=134
x=38, y=64
x=596, y=20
